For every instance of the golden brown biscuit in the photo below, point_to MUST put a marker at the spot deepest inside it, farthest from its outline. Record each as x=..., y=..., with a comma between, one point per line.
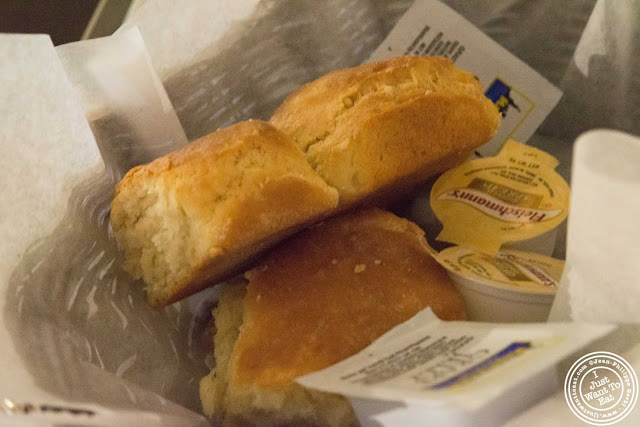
x=319, y=298
x=380, y=129
x=198, y=215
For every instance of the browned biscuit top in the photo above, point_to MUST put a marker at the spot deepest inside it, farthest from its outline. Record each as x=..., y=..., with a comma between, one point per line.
x=330, y=291
x=368, y=127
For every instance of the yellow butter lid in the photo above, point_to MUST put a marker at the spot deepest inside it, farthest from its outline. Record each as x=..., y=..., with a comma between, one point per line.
x=509, y=269
x=513, y=196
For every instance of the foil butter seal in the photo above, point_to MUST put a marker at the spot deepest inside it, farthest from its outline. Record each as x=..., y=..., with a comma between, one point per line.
x=513, y=196
x=511, y=269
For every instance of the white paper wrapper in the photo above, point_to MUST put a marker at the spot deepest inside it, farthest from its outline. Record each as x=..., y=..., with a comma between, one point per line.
x=465, y=370
x=29, y=157
x=256, y=57
x=78, y=327
x=601, y=274
x=123, y=99
x=78, y=330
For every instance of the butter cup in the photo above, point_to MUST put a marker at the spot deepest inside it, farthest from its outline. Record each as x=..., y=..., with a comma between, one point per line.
x=513, y=286
x=514, y=196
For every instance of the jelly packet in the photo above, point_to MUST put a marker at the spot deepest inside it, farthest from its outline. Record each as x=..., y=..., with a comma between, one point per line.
x=512, y=286
x=513, y=196
x=510, y=269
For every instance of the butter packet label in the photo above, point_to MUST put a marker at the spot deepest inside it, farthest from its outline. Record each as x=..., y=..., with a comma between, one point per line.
x=523, y=96
x=509, y=269
x=465, y=365
x=513, y=196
